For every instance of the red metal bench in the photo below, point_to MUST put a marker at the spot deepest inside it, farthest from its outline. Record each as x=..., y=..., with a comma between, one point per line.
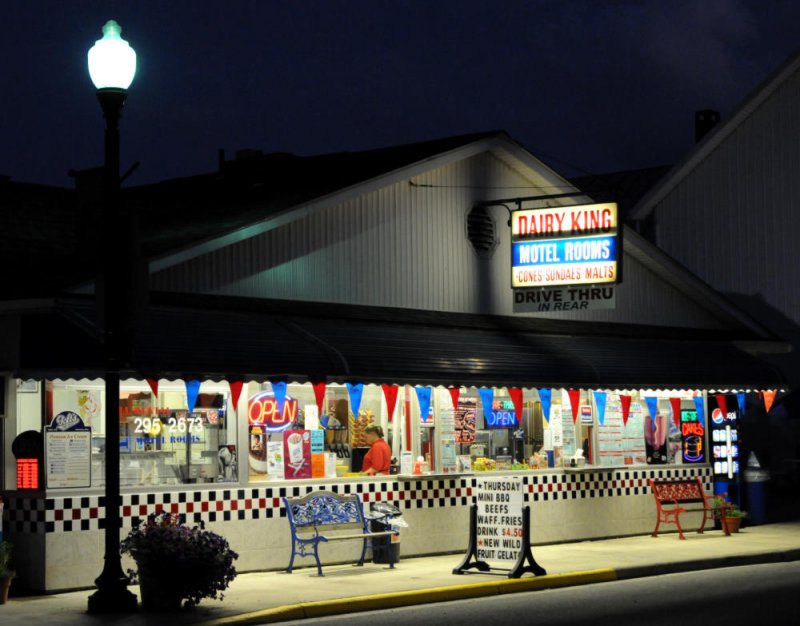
x=678, y=492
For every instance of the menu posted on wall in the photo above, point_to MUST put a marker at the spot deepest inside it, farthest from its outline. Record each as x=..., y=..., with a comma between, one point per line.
x=499, y=518
x=68, y=452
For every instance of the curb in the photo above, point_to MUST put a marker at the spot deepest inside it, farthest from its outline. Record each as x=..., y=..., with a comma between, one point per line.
x=409, y=598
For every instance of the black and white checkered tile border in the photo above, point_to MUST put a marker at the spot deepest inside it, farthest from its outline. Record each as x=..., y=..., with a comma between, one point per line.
x=28, y=514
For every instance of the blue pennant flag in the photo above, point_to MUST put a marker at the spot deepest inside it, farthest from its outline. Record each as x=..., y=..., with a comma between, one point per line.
x=487, y=398
x=192, y=389
x=424, y=397
x=279, y=389
x=652, y=406
x=600, y=401
x=740, y=400
x=355, y=390
x=545, y=395
x=699, y=404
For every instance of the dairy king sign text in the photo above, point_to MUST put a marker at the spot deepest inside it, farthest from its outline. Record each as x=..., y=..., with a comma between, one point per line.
x=558, y=246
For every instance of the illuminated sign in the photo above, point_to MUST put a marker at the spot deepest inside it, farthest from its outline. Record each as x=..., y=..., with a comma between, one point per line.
x=27, y=473
x=692, y=437
x=502, y=415
x=262, y=410
x=724, y=439
x=555, y=246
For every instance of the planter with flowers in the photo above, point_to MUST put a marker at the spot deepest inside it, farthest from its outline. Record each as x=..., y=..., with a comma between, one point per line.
x=733, y=518
x=178, y=563
x=6, y=572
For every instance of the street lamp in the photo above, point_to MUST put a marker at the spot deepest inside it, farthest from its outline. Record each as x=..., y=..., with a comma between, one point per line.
x=112, y=65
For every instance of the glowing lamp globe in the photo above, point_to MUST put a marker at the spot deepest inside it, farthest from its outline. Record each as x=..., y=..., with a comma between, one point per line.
x=112, y=62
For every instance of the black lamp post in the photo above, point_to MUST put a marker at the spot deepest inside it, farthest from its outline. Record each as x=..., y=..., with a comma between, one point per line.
x=112, y=65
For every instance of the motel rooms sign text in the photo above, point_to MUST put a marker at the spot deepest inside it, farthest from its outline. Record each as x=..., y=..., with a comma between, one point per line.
x=561, y=246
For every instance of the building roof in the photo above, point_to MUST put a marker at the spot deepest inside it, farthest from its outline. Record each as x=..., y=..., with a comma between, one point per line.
x=53, y=234
x=196, y=336
x=625, y=188
x=715, y=138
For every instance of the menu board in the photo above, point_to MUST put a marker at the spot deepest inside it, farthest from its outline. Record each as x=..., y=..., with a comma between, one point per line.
x=619, y=443
x=499, y=518
x=68, y=452
x=447, y=440
x=610, y=434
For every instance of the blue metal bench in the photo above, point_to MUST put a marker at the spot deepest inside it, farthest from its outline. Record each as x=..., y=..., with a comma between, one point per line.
x=334, y=514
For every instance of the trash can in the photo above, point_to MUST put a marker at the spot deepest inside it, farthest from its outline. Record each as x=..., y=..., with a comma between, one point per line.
x=383, y=517
x=755, y=480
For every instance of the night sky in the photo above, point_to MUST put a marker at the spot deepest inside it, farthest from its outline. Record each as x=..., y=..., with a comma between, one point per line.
x=590, y=86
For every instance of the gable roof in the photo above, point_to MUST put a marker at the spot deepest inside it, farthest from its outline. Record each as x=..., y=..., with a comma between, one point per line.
x=715, y=138
x=52, y=233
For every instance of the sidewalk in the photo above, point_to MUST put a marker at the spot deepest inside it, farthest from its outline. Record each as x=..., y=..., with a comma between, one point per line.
x=266, y=597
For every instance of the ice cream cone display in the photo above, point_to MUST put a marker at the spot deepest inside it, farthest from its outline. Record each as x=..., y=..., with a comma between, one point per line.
x=357, y=425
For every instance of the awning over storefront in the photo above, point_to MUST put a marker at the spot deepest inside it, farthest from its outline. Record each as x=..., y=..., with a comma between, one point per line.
x=299, y=341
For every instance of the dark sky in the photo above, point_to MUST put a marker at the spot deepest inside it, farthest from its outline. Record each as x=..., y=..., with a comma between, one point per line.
x=598, y=85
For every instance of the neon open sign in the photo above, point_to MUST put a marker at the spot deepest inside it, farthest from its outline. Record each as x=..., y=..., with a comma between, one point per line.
x=502, y=415
x=262, y=410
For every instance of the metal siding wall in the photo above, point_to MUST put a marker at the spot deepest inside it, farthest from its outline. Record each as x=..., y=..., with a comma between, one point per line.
x=404, y=246
x=734, y=219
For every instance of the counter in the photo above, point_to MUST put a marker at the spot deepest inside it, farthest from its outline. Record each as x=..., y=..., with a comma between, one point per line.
x=571, y=504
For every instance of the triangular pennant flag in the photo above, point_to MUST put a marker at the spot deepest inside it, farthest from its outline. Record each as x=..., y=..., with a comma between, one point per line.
x=652, y=408
x=700, y=406
x=390, y=393
x=740, y=400
x=319, y=395
x=487, y=399
x=355, y=390
x=600, y=402
x=516, y=398
x=153, y=382
x=279, y=389
x=722, y=403
x=675, y=404
x=236, y=391
x=454, y=393
x=625, y=401
x=192, y=389
x=574, y=402
x=769, y=398
x=545, y=396
x=424, y=399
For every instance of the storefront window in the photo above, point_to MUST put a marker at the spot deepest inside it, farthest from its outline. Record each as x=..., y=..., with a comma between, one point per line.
x=161, y=442
x=344, y=441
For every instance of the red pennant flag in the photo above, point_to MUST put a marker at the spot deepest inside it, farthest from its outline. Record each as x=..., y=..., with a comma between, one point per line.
x=626, y=408
x=319, y=395
x=516, y=398
x=390, y=393
x=454, y=391
x=154, y=387
x=574, y=401
x=769, y=398
x=722, y=403
x=676, y=411
x=236, y=391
